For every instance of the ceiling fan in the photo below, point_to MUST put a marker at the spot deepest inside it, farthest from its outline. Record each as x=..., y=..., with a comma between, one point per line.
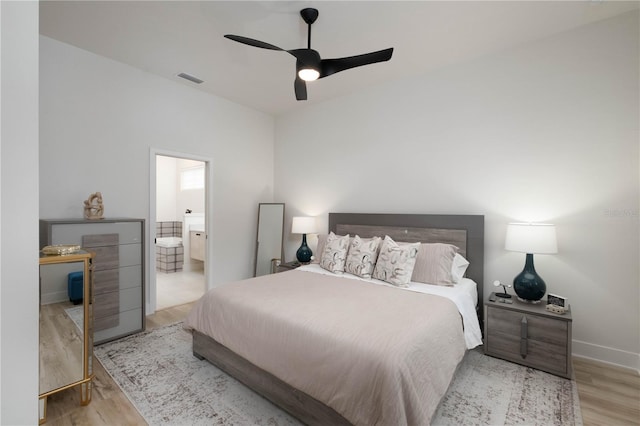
x=309, y=65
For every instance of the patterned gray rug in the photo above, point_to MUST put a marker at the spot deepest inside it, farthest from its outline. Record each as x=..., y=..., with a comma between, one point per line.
x=169, y=386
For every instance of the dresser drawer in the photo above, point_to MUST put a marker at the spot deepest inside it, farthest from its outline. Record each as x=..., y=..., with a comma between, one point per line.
x=71, y=233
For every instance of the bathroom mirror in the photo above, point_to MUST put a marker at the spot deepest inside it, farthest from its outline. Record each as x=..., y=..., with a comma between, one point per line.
x=269, y=248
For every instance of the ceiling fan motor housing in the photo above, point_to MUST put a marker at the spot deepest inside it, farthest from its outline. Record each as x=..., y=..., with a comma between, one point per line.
x=309, y=15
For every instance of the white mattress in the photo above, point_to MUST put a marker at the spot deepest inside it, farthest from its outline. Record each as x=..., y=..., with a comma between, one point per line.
x=464, y=295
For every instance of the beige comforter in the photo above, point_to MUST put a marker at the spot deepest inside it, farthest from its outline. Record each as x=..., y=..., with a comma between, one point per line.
x=375, y=354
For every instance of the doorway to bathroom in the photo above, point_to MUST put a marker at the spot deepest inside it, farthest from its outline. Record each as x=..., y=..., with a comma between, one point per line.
x=178, y=254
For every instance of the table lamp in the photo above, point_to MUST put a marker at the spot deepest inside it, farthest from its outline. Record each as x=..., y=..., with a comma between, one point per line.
x=530, y=238
x=304, y=225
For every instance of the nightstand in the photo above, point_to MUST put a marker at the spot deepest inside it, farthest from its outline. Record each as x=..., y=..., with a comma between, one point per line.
x=528, y=334
x=288, y=266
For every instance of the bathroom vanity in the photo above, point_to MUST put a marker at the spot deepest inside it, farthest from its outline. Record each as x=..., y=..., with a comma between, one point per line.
x=198, y=240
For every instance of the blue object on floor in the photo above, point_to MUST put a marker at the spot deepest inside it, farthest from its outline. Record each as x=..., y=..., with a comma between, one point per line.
x=75, y=286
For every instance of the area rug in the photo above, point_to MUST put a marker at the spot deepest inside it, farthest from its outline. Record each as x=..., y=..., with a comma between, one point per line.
x=169, y=386
x=490, y=391
x=76, y=314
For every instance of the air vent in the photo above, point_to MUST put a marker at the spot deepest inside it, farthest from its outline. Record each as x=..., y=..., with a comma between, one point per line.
x=190, y=78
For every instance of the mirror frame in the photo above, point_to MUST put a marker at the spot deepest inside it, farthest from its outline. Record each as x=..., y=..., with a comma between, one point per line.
x=255, y=260
x=86, y=336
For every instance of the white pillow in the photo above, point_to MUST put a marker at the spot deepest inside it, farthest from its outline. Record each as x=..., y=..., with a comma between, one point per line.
x=362, y=256
x=334, y=254
x=458, y=268
x=395, y=262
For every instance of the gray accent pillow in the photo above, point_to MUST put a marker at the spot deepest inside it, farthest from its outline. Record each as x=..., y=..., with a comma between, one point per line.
x=434, y=264
x=322, y=239
x=334, y=254
x=362, y=255
x=395, y=262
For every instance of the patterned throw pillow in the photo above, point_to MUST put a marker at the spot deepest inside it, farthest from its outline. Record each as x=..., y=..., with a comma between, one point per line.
x=334, y=254
x=395, y=262
x=362, y=256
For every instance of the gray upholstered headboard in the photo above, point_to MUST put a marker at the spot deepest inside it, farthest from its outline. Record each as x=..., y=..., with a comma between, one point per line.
x=464, y=231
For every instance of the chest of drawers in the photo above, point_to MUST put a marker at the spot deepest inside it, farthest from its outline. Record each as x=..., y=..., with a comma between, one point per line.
x=118, y=302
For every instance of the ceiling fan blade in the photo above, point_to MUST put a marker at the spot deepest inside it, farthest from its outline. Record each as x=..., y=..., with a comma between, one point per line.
x=300, y=54
x=300, y=88
x=306, y=56
x=252, y=42
x=332, y=66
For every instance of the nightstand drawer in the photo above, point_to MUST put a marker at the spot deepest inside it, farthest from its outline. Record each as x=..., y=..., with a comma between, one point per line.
x=537, y=354
x=539, y=328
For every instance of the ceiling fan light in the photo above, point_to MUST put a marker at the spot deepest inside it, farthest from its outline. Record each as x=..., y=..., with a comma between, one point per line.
x=309, y=74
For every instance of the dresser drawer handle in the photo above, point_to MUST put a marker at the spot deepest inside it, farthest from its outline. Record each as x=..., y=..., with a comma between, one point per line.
x=523, y=337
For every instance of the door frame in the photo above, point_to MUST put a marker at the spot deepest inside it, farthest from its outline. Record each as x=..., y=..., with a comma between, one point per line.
x=151, y=294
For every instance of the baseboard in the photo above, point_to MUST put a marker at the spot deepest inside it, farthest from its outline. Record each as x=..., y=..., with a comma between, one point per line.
x=606, y=355
x=54, y=297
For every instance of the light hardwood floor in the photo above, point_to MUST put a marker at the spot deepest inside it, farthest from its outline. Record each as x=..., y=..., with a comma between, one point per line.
x=178, y=288
x=109, y=406
x=58, y=335
x=609, y=396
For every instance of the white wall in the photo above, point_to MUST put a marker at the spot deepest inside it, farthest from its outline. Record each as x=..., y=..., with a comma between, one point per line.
x=166, y=194
x=19, y=213
x=99, y=121
x=171, y=201
x=544, y=132
x=192, y=199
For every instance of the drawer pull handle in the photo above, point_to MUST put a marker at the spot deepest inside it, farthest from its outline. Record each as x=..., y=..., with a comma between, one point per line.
x=523, y=337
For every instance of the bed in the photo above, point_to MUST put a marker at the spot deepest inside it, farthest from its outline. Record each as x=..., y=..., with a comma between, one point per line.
x=332, y=349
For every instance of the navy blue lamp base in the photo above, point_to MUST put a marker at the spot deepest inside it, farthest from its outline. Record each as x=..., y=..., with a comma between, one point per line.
x=304, y=252
x=528, y=285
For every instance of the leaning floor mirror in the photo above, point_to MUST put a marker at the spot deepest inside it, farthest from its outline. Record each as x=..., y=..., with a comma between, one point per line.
x=269, y=248
x=66, y=325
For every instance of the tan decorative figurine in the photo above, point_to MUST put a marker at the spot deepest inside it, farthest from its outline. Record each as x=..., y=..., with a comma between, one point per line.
x=93, y=208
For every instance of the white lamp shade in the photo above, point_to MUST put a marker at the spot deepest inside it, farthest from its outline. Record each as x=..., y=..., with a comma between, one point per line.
x=304, y=225
x=535, y=238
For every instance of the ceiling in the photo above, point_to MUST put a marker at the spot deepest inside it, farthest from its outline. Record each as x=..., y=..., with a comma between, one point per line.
x=167, y=38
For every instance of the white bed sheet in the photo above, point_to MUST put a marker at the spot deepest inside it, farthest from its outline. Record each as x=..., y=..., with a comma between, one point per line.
x=464, y=295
